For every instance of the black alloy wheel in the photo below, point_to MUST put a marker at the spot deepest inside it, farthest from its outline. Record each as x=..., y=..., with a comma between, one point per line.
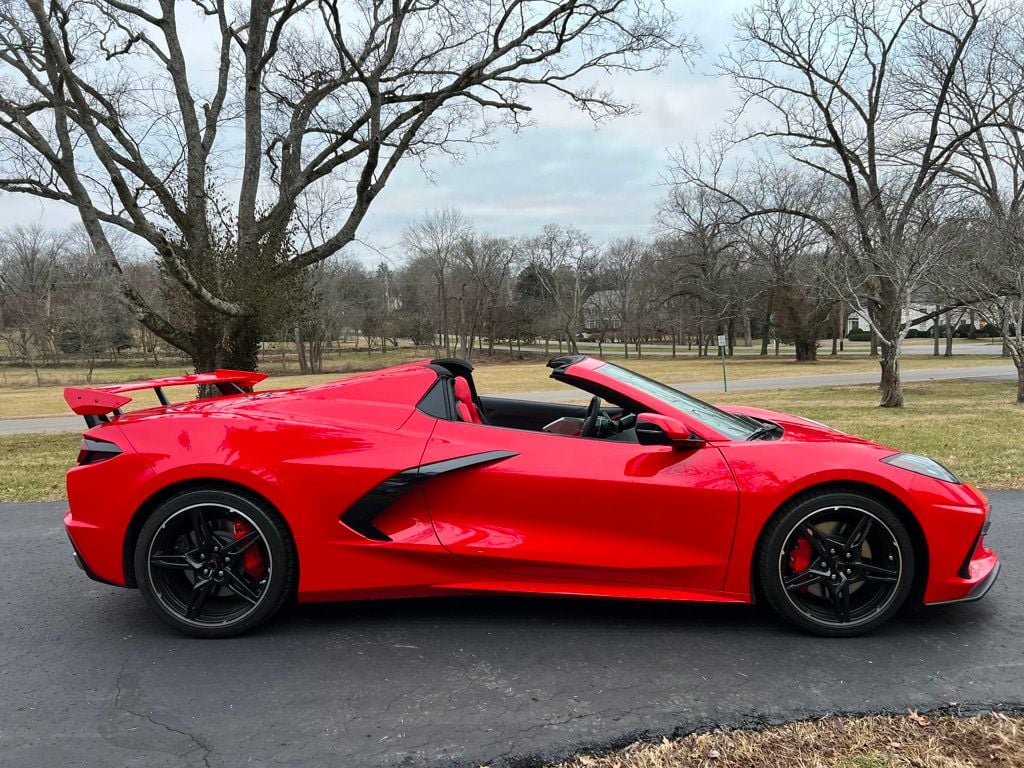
x=837, y=564
x=213, y=563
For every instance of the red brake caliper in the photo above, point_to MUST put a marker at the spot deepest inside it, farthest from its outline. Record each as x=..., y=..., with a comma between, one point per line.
x=251, y=558
x=801, y=555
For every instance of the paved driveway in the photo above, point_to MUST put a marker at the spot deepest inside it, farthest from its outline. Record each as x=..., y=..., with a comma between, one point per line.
x=89, y=678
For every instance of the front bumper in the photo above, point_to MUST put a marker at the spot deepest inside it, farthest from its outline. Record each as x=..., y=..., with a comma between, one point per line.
x=983, y=572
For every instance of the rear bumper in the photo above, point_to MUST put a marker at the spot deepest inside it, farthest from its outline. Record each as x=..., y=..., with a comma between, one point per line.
x=76, y=556
x=95, y=551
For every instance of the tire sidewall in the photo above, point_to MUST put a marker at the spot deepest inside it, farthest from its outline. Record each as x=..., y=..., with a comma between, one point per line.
x=779, y=531
x=269, y=526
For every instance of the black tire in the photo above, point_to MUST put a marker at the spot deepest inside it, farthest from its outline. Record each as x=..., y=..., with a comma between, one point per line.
x=836, y=563
x=214, y=563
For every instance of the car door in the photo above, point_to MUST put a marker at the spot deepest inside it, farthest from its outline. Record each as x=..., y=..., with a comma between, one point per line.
x=555, y=507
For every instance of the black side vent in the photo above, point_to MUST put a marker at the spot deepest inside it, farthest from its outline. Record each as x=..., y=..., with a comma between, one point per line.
x=361, y=515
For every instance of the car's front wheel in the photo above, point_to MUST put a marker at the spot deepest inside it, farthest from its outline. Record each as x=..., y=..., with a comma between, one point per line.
x=836, y=563
x=214, y=563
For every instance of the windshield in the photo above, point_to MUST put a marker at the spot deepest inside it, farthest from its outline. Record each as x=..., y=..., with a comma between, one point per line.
x=731, y=426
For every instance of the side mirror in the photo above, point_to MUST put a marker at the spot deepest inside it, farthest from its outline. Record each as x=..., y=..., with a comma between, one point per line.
x=655, y=429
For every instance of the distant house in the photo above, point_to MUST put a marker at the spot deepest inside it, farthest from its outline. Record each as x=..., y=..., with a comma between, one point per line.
x=857, y=320
x=601, y=312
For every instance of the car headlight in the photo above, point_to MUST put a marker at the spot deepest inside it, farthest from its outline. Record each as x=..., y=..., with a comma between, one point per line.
x=922, y=465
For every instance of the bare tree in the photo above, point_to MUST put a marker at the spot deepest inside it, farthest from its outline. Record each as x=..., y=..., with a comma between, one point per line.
x=565, y=263
x=989, y=171
x=100, y=108
x=700, y=219
x=435, y=241
x=860, y=93
x=990, y=275
x=30, y=261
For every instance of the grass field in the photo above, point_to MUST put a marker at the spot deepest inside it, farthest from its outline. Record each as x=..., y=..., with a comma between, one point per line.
x=906, y=741
x=972, y=427
x=20, y=398
x=32, y=466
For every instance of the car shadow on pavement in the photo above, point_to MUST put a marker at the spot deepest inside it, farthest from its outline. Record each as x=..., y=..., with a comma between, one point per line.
x=575, y=615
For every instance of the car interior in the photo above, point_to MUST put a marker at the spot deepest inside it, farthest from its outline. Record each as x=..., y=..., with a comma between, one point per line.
x=454, y=397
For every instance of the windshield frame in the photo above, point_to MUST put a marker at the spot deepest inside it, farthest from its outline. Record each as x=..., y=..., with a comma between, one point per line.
x=730, y=426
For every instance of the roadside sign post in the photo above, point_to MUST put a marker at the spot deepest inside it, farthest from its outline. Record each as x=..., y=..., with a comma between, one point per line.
x=722, y=342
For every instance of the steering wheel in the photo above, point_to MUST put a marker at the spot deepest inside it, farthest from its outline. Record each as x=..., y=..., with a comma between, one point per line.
x=590, y=422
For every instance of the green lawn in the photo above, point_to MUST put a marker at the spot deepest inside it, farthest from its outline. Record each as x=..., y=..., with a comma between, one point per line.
x=973, y=427
x=32, y=466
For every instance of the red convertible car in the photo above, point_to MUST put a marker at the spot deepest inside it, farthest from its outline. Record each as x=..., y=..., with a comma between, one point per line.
x=407, y=482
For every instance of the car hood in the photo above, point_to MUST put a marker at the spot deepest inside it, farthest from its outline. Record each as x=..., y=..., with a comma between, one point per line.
x=797, y=428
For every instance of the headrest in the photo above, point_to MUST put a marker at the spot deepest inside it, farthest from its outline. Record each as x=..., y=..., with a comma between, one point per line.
x=462, y=390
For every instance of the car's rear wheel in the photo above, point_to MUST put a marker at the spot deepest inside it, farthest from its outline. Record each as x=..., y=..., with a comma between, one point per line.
x=214, y=563
x=836, y=563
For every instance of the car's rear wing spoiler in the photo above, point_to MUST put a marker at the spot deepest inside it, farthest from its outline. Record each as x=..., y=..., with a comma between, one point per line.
x=97, y=404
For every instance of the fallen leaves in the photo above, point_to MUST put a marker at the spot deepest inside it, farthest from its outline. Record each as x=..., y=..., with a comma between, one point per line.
x=910, y=740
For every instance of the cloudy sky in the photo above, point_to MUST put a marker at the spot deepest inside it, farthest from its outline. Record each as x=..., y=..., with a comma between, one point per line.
x=604, y=180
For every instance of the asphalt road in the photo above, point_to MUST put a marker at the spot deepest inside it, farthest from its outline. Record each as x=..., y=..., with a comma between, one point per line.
x=986, y=372
x=89, y=678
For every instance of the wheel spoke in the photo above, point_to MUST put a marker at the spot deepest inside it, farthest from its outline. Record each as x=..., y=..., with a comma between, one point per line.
x=200, y=592
x=818, y=541
x=237, y=585
x=805, y=579
x=238, y=546
x=200, y=526
x=879, y=573
x=859, y=534
x=841, y=600
x=173, y=561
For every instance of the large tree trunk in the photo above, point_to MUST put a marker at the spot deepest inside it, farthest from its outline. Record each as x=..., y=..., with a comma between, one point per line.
x=891, y=386
x=806, y=351
x=1020, y=383
x=241, y=348
x=208, y=339
x=300, y=348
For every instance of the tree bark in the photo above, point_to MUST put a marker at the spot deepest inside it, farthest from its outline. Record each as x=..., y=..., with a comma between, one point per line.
x=241, y=348
x=891, y=386
x=1020, y=384
x=300, y=348
x=806, y=351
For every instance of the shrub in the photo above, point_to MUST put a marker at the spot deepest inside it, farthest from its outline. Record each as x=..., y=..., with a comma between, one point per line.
x=859, y=334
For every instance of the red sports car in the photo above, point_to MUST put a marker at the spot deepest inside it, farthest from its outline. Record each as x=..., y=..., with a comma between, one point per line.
x=407, y=482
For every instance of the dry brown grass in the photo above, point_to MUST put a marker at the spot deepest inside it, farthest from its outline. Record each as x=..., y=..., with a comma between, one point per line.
x=535, y=377
x=971, y=426
x=905, y=741
x=21, y=398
